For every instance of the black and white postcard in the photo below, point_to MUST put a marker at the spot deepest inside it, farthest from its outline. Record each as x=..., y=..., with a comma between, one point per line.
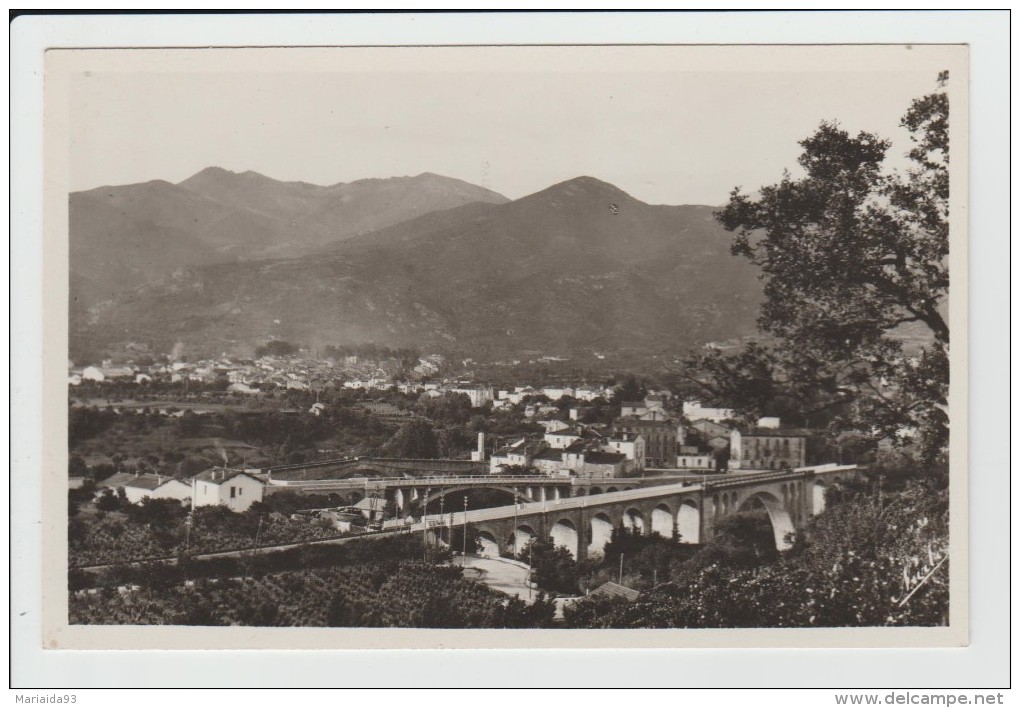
x=506, y=346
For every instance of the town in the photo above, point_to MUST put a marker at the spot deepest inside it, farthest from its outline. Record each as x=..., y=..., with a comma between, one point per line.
x=572, y=408
x=413, y=455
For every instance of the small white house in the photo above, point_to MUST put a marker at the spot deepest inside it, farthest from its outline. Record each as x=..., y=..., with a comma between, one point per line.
x=233, y=488
x=156, y=486
x=630, y=446
x=92, y=373
x=561, y=439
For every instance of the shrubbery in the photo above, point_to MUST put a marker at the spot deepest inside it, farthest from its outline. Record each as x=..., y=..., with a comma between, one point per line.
x=377, y=583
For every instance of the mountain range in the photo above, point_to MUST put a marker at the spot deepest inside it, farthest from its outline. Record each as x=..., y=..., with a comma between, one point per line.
x=225, y=261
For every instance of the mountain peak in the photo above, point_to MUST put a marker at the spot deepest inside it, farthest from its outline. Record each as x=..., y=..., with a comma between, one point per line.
x=220, y=174
x=584, y=187
x=212, y=171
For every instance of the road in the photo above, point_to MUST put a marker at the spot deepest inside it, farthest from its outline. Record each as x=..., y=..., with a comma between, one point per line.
x=500, y=575
x=507, y=578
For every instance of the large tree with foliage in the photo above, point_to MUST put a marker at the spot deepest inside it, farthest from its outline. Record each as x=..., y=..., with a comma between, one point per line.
x=415, y=439
x=852, y=256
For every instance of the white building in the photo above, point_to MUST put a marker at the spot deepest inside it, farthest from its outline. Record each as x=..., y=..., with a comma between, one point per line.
x=767, y=450
x=631, y=446
x=590, y=393
x=93, y=373
x=479, y=395
x=156, y=486
x=520, y=453
x=694, y=410
x=554, y=393
x=560, y=439
x=235, y=489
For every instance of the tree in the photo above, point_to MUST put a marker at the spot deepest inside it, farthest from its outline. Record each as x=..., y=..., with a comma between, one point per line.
x=553, y=567
x=277, y=347
x=415, y=439
x=629, y=389
x=108, y=501
x=851, y=254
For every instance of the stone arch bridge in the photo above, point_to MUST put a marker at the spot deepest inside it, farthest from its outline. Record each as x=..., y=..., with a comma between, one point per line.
x=405, y=489
x=353, y=467
x=691, y=510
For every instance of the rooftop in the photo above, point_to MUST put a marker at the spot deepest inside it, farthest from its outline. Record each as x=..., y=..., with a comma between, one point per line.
x=219, y=475
x=612, y=589
x=149, y=481
x=118, y=479
x=604, y=458
x=638, y=423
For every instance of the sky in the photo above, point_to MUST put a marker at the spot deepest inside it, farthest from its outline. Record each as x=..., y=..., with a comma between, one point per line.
x=666, y=132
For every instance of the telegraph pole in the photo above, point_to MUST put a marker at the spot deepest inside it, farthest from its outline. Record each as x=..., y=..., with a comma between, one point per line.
x=531, y=561
x=515, y=523
x=464, y=553
x=442, y=517
x=425, y=523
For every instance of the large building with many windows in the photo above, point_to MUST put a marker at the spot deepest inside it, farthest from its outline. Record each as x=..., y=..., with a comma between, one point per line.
x=766, y=449
x=660, y=439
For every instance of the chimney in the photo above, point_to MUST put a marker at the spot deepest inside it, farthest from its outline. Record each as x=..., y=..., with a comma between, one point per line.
x=481, y=446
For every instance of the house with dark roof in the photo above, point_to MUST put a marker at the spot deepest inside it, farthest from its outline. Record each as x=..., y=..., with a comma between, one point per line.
x=156, y=486
x=115, y=481
x=235, y=489
x=517, y=454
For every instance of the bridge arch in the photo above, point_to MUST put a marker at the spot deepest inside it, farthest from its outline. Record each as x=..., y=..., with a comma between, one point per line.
x=524, y=535
x=369, y=470
x=634, y=520
x=564, y=533
x=594, y=490
x=662, y=520
x=601, y=532
x=489, y=545
x=449, y=491
x=688, y=522
x=612, y=489
x=779, y=516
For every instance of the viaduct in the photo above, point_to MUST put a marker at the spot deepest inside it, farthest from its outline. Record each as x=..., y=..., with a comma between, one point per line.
x=371, y=466
x=583, y=523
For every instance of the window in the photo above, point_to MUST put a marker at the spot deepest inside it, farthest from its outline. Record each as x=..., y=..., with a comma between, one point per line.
x=240, y=490
x=233, y=492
